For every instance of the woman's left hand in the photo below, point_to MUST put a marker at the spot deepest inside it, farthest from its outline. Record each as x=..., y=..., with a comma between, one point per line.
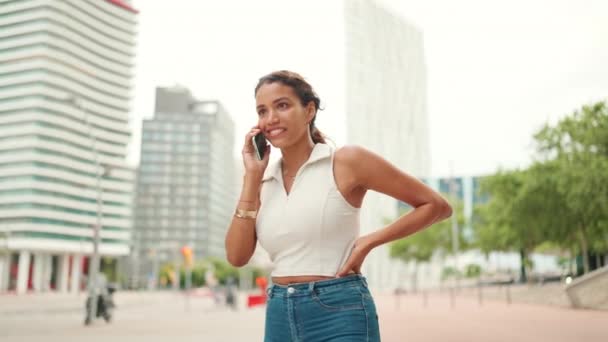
x=361, y=248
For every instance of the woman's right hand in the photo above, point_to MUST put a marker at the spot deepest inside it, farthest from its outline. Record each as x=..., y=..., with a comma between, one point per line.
x=254, y=166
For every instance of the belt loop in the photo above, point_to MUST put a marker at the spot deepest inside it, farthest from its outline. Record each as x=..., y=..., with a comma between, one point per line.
x=311, y=287
x=363, y=280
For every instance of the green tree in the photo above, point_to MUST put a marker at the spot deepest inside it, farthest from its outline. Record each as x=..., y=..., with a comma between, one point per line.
x=560, y=199
x=577, y=146
x=512, y=219
x=221, y=268
x=420, y=246
x=472, y=271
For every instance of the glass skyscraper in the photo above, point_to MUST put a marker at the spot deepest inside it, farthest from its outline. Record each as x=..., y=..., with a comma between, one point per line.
x=186, y=184
x=385, y=110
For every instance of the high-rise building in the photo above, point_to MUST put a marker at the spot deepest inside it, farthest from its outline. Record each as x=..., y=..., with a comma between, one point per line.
x=186, y=184
x=465, y=190
x=386, y=110
x=65, y=83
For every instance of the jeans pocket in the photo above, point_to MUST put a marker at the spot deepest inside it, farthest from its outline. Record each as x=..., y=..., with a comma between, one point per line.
x=348, y=298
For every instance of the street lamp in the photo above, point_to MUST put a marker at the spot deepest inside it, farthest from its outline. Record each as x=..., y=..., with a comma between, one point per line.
x=7, y=234
x=455, y=234
x=6, y=266
x=100, y=170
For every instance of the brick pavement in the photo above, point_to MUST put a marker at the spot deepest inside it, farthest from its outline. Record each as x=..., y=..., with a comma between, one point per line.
x=498, y=321
x=154, y=317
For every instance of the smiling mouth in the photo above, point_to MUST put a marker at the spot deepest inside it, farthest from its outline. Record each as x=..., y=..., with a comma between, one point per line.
x=274, y=132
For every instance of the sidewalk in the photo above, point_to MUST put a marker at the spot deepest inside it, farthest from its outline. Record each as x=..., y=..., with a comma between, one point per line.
x=58, y=303
x=465, y=319
x=162, y=316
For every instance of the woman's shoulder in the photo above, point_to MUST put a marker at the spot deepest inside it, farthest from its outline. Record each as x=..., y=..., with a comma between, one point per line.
x=358, y=160
x=349, y=154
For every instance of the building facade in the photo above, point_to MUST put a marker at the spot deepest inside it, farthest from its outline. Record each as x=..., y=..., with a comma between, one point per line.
x=385, y=110
x=65, y=74
x=186, y=183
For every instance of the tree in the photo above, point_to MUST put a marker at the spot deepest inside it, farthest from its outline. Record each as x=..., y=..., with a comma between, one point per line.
x=578, y=148
x=496, y=226
x=561, y=198
x=221, y=268
x=518, y=215
x=472, y=271
x=420, y=246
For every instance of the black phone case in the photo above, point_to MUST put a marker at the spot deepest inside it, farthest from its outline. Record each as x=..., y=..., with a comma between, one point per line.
x=260, y=145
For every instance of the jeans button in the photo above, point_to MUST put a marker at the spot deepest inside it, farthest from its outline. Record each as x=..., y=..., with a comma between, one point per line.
x=291, y=290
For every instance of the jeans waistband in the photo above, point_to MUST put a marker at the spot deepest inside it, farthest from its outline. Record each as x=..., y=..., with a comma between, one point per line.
x=319, y=285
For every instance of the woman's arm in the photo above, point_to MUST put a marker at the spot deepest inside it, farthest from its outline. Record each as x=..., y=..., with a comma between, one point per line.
x=241, y=238
x=372, y=172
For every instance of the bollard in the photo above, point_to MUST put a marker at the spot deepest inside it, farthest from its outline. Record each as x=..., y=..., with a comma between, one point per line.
x=186, y=301
x=452, y=299
x=397, y=292
x=187, y=288
x=424, y=298
x=397, y=300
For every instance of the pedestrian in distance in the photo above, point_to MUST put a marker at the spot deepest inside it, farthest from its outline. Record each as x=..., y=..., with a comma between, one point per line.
x=304, y=210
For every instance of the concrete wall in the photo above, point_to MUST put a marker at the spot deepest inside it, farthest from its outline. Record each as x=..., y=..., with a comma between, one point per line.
x=590, y=291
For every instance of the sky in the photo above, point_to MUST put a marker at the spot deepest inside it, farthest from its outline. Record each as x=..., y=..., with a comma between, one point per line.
x=497, y=71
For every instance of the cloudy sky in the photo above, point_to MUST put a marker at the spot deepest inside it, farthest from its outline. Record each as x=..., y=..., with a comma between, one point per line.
x=497, y=70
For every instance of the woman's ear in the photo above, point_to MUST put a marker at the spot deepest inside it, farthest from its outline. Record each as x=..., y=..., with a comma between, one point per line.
x=310, y=112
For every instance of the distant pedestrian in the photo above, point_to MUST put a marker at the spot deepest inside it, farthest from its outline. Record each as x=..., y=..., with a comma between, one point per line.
x=231, y=292
x=212, y=282
x=304, y=210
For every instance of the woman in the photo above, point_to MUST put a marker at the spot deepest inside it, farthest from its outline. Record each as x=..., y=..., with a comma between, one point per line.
x=304, y=210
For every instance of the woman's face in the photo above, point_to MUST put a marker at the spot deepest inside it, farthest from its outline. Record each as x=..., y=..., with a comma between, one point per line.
x=281, y=116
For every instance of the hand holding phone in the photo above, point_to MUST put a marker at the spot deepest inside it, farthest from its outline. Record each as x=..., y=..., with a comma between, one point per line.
x=259, y=145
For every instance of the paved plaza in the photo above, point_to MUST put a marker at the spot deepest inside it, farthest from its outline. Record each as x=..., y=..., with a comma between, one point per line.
x=166, y=316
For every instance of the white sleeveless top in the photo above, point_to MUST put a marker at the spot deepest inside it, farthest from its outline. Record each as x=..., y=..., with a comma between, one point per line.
x=312, y=230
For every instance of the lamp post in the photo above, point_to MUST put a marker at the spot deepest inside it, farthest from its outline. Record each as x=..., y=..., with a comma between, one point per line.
x=94, y=261
x=6, y=264
x=7, y=234
x=133, y=282
x=100, y=170
x=455, y=234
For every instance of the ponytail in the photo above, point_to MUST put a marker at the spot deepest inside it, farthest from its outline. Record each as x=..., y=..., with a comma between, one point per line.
x=317, y=136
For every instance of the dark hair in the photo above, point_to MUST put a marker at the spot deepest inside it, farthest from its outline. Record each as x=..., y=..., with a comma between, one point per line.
x=303, y=91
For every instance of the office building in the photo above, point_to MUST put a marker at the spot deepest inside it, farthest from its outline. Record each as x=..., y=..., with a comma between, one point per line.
x=65, y=82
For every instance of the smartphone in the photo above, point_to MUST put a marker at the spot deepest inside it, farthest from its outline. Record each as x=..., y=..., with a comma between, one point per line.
x=259, y=145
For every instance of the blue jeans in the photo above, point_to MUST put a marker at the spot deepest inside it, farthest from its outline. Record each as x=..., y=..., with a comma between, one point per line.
x=336, y=310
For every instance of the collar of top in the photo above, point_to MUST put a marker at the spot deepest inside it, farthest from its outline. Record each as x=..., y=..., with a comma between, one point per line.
x=319, y=151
